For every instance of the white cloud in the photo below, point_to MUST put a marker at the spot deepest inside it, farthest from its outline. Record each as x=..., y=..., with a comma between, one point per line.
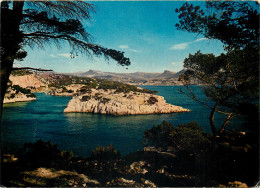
x=200, y=39
x=133, y=50
x=176, y=63
x=54, y=56
x=183, y=46
x=124, y=46
x=66, y=55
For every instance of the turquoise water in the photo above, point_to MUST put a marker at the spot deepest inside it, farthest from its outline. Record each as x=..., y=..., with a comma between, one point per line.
x=81, y=132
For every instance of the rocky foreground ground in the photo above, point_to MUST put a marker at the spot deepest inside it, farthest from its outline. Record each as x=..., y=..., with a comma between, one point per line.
x=139, y=169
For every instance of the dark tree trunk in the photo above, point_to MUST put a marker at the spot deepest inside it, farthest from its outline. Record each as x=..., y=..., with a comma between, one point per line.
x=225, y=123
x=211, y=120
x=4, y=77
x=11, y=38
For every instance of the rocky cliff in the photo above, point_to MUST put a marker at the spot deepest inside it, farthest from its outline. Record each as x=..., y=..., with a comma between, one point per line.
x=26, y=81
x=109, y=102
x=20, y=88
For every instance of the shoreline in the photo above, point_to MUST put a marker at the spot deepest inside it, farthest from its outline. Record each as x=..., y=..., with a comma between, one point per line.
x=14, y=100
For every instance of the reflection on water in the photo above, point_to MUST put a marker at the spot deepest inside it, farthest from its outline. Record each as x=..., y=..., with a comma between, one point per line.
x=16, y=104
x=81, y=132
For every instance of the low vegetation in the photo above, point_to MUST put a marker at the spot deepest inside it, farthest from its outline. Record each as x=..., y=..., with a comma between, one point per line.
x=152, y=100
x=121, y=87
x=84, y=89
x=86, y=98
x=105, y=100
x=12, y=90
x=18, y=89
x=60, y=81
x=102, y=153
x=231, y=157
x=188, y=138
x=64, y=89
x=97, y=97
x=21, y=72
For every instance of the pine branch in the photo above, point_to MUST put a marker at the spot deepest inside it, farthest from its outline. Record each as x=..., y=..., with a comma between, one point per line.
x=80, y=45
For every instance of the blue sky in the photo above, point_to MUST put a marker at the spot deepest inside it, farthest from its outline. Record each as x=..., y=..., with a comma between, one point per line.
x=144, y=30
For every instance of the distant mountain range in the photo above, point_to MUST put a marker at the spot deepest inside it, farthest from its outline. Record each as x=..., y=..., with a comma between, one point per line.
x=138, y=78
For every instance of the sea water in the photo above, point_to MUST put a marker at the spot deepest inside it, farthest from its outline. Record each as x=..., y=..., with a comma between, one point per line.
x=80, y=133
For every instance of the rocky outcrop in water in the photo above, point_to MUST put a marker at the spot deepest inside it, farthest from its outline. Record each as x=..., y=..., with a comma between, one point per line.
x=109, y=102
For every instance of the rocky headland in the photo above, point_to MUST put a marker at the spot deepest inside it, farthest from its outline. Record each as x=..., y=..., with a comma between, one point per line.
x=18, y=98
x=21, y=86
x=113, y=103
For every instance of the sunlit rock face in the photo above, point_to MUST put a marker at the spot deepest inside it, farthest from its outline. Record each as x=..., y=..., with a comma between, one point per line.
x=26, y=81
x=109, y=102
x=29, y=82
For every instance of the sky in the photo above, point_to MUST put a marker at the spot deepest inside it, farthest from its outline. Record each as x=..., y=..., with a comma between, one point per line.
x=144, y=30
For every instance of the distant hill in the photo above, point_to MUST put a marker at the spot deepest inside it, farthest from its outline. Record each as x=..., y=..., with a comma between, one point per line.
x=167, y=74
x=90, y=73
x=138, y=78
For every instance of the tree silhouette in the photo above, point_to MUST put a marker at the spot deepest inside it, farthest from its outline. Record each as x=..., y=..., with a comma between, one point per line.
x=236, y=24
x=231, y=80
x=41, y=23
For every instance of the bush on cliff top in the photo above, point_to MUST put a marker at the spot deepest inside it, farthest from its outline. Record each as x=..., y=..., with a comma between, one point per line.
x=21, y=72
x=42, y=154
x=105, y=153
x=188, y=138
x=18, y=89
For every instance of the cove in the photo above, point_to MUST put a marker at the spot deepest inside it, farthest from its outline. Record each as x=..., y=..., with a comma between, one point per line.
x=82, y=132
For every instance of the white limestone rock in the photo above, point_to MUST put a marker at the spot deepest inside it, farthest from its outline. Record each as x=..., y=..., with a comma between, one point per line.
x=108, y=102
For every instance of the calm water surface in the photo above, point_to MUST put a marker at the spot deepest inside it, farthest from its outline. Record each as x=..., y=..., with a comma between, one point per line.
x=81, y=132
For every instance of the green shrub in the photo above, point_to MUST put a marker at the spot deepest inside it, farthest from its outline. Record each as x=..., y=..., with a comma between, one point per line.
x=64, y=89
x=190, y=138
x=66, y=155
x=91, y=84
x=121, y=87
x=186, y=138
x=84, y=89
x=147, y=91
x=86, y=98
x=31, y=95
x=38, y=154
x=21, y=72
x=152, y=100
x=159, y=135
x=97, y=96
x=105, y=153
x=105, y=100
x=12, y=96
x=42, y=154
x=18, y=89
